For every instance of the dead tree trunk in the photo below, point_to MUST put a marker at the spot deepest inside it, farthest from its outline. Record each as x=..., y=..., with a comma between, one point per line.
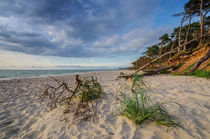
x=147, y=73
x=152, y=72
x=201, y=61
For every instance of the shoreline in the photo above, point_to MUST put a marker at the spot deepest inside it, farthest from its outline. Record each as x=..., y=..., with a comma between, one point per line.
x=23, y=116
x=55, y=75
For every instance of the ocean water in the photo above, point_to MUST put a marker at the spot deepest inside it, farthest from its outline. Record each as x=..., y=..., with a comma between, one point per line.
x=8, y=74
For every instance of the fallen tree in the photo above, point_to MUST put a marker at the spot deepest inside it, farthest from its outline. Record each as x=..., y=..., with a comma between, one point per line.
x=153, y=72
x=149, y=72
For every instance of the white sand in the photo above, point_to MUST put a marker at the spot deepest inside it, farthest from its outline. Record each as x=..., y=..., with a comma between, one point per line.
x=22, y=116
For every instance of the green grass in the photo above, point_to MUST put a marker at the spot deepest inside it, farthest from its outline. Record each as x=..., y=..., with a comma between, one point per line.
x=199, y=73
x=138, y=82
x=90, y=90
x=177, y=74
x=164, y=72
x=138, y=108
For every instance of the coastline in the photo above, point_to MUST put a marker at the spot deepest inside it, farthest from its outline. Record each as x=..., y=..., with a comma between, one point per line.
x=55, y=75
x=22, y=116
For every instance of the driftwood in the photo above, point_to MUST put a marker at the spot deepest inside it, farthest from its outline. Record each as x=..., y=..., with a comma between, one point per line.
x=171, y=51
x=122, y=75
x=147, y=73
x=197, y=64
x=60, y=94
x=153, y=72
x=82, y=100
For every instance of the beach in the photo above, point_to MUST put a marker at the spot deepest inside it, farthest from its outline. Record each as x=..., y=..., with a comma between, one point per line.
x=23, y=116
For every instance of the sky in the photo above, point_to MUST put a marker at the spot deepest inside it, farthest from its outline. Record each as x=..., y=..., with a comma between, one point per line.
x=69, y=34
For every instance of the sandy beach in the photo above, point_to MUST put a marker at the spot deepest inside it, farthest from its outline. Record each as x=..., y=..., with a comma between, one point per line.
x=23, y=116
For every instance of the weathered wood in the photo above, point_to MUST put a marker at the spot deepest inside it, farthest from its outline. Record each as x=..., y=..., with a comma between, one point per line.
x=147, y=73
x=152, y=72
x=200, y=61
x=171, y=51
x=124, y=76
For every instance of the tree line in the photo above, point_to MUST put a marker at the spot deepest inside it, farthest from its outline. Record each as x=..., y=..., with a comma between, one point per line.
x=184, y=33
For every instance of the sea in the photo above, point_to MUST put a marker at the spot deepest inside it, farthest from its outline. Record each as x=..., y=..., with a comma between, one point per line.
x=11, y=74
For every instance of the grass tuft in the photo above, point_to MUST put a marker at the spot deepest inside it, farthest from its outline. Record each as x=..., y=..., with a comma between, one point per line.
x=90, y=90
x=138, y=108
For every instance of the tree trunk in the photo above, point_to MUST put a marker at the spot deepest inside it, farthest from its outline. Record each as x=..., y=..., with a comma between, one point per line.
x=147, y=73
x=201, y=19
x=201, y=61
x=160, y=51
x=180, y=31
x=172, y=47
x=152, y=72
x=188, y=30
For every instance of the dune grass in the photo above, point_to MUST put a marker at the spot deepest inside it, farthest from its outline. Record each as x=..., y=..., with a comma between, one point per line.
x=199, y=73
x=138, y=108
x=90, y=90
x=177, y=74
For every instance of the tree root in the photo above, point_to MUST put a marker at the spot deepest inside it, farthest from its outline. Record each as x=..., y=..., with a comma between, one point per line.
x=82, y=100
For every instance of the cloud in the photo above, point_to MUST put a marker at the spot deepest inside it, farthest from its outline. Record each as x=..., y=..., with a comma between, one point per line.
x=134, y=41
x=77, y=28
x=17, y=60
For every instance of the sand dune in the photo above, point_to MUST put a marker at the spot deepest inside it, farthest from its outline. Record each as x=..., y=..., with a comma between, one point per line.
x=22, y=116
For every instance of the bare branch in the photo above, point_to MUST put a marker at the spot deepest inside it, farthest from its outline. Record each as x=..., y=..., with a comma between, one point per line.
x=82, y=100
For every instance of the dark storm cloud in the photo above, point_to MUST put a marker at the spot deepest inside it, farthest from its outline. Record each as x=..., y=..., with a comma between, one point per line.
x=73, y=28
